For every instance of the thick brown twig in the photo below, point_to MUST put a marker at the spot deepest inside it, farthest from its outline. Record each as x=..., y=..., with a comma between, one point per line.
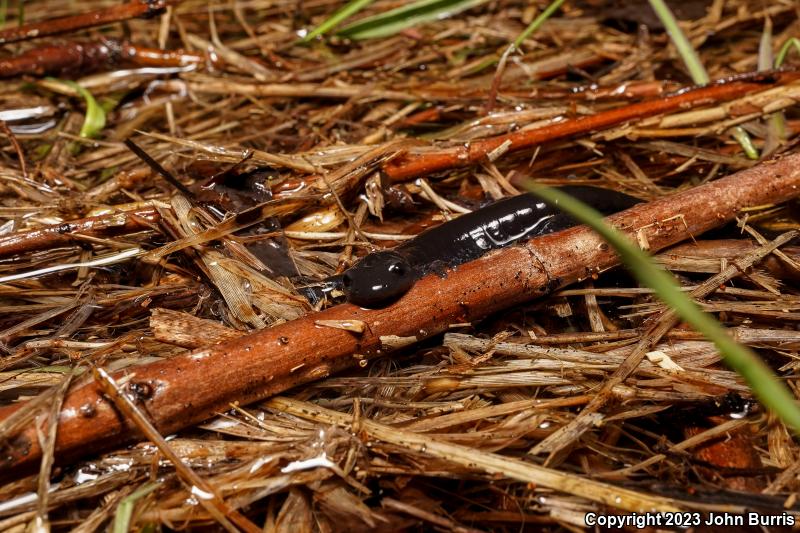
x=189, y=388
x=100, y=17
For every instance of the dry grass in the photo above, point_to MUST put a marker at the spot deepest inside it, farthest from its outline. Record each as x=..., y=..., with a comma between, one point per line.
x=475, y=430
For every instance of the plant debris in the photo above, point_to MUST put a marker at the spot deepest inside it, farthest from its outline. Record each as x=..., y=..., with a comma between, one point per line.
x=174, y=197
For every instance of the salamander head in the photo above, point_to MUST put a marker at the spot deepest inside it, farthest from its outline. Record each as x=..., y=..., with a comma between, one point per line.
x=378, y=279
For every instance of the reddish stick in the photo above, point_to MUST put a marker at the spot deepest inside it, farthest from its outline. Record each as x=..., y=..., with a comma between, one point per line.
x=56, y=234
x=100, y=17
x=422, y=162
x=77, y=57
x=55, y=59
x=187, y=389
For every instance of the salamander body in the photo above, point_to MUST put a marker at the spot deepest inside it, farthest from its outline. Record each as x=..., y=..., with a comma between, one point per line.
x=381, y=277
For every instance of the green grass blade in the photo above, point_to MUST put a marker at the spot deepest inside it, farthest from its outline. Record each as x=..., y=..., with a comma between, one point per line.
x=765, y=47
x=687, y=53
x=765, y=385
x=781, y=56
x=527, y=32
x=350, y=9
x=776, y=124
x=537, y=22
x=695, y=67
x=745, y=142
x=391, y=22
x=122, y=518
x=95, y=119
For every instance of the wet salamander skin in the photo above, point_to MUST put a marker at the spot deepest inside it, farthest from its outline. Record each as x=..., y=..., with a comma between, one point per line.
x=381, y=277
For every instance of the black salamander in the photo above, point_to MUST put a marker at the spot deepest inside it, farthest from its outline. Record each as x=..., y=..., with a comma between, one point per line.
x=382, y=277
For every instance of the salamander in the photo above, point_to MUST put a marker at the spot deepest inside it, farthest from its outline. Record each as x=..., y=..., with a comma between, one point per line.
x=381, y=277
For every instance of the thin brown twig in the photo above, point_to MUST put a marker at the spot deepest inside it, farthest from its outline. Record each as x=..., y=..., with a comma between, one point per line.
x=426, y=161
x=49, y=446
x=205, y=494
x=17, y=148
x=65, y=233
x=498, y=78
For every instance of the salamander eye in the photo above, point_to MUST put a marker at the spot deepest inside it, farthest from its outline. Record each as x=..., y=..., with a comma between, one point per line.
x=397, y=268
